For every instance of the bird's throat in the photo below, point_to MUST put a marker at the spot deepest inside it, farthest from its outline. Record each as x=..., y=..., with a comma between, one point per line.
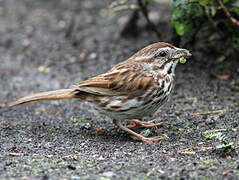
x=168, y=69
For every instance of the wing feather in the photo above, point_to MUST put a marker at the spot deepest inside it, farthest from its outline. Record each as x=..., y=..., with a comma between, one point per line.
x=123, y=81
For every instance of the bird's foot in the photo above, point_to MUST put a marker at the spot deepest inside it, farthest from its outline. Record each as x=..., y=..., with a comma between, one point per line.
x=148, y=140
x=149, y=124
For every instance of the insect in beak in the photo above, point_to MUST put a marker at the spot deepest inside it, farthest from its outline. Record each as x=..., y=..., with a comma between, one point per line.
x=181, y=55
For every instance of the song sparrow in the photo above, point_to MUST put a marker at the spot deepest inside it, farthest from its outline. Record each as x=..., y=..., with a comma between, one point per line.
x=130, y=90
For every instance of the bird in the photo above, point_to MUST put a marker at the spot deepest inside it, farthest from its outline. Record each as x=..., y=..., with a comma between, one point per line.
x=130, y=90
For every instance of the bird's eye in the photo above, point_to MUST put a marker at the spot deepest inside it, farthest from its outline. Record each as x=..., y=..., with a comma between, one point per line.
x=162, y=53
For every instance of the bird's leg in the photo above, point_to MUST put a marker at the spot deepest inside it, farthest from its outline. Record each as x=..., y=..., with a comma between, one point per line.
x=146, y=124
x=138, y=136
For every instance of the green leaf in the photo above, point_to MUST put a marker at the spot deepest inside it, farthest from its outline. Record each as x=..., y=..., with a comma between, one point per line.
x=234, y=9
x=146, y=2
x=209, y=136
x=208, y=17
x=204, y=2
x=225, y=1
x=145, y=132
x=220, y=146
x=207, y=11
x=216, y=135
x=183, y=14
x=181, y=28
x=231, y=144
x=125, y=7
x=118, y=2
x=213, y=10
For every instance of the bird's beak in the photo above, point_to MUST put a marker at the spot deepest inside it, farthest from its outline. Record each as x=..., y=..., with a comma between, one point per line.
x=181, y=53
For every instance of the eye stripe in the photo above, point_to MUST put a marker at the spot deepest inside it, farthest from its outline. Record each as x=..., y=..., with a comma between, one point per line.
x=153, y=54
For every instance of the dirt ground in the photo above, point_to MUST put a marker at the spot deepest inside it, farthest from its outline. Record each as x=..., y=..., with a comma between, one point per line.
x=46, y=45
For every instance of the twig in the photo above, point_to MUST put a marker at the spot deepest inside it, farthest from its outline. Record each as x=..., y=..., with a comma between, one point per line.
x=70, y=27
x=176, y=39
x=117, y=3
x=108, y=148
x=215, y=130
x=228, y=14
x=208, y=112
x=14, y=154
x=145, y=13
x=131, y=26
x=187, y=150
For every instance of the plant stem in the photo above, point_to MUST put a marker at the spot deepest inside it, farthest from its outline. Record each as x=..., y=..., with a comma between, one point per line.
x=228, y=14
x=144, y=10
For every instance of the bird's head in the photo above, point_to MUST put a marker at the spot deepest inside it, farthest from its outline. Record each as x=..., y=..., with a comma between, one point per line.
x=161, y=56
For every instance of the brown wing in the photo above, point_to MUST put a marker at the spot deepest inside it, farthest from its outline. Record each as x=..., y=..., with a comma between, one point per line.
x=119, y=80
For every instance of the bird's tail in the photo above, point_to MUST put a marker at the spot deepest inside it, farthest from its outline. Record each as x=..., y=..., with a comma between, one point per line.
x=49, y=95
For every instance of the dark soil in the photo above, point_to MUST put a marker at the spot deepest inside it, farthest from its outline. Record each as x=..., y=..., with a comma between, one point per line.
x=46, y=45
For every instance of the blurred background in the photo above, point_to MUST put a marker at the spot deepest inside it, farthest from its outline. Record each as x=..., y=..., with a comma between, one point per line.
x=51, y=44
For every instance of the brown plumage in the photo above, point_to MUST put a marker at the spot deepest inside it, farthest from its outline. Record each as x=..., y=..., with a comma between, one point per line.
x=130, y=90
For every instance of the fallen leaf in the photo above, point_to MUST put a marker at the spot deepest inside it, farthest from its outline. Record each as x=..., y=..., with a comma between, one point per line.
x=14, y=154
x=2, y=105
x=7, y=127
x=188, y=152
x=208, y=112
x=224, y=173
x=99, y=130
x=108, y=148
x=222, y=77
x=41, y=68
x=228, y=157
x=40, y=111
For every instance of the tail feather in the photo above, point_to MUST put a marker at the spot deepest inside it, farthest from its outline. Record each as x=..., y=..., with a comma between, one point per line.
x=49, y=95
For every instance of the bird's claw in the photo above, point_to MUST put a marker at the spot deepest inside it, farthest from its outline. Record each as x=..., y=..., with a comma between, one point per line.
x=149, y=140
x=145, y=124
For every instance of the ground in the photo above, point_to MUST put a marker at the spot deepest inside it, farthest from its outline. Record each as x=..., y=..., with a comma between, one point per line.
x=46, y=45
